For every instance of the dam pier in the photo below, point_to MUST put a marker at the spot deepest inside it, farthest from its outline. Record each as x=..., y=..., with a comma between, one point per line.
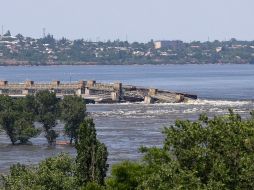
x=94, y=92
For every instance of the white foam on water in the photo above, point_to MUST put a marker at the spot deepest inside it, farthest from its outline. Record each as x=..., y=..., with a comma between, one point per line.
x=194, y=110
x=228, y=103
x=130, y=113
x=121, y=103
x=158, y=112
x=191, y=107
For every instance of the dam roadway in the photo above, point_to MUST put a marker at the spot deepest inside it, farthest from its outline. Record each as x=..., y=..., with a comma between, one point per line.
x=94, y=92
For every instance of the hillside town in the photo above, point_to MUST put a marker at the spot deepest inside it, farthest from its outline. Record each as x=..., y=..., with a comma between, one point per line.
x=20, y=50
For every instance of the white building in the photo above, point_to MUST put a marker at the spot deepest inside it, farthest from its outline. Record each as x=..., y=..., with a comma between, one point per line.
x=161, y=44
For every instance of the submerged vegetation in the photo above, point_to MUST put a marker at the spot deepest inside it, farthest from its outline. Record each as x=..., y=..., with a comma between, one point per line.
x=73, y=113
x=63, y=172
x=17, y=119
x=17, y=116
x=208, y=154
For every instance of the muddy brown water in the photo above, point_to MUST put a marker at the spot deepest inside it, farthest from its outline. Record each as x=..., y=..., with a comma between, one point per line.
x=122, y=127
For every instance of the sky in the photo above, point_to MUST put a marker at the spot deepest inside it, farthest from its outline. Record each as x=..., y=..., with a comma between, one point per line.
x=134, y=20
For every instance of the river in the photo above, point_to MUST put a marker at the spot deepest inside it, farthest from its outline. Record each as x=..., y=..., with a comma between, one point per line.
x=125, y=127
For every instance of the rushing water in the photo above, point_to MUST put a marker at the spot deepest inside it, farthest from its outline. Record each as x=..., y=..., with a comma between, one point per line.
x=125, y=127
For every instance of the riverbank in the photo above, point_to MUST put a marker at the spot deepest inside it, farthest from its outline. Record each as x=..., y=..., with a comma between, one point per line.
x=26, y=63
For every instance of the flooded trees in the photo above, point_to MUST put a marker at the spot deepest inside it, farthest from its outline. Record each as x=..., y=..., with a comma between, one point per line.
x=24, y=130
x=47, y=111
x=16, y=120
x=17, y=116
x=73, y=112
x=7, y=120
x=86, y=172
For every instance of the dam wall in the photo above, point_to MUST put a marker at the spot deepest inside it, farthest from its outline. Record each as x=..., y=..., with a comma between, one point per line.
x=95, y=92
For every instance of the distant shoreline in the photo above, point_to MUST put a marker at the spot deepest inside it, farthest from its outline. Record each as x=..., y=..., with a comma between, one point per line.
x=127, y=64
x=19, y=50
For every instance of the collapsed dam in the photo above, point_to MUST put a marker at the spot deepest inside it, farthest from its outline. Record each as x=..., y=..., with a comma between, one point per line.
x=94, y=92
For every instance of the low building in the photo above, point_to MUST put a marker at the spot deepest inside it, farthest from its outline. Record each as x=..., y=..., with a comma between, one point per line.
x=161, y=44
x=168, y=44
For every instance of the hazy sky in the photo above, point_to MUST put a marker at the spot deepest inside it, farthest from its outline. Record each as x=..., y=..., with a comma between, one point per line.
x=137, y=20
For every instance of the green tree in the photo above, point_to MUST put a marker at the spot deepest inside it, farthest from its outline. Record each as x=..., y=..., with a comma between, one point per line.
x=16, y=120
x=8, y=33
x=125, y=176
x=210, y=153
x=7, y=117
x=73, y=112
x=56, y=173
x=20, y=37
x=92, y=155
x=29, y=104
x=24, y=130
x=47, y=109
x=20, y=177
x=93, y=186
x=7, y=120
x=6, y=103
x=49, y=39
x=62, y=172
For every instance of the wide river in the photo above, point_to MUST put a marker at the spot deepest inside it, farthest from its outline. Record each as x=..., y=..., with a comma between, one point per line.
x=125, y=127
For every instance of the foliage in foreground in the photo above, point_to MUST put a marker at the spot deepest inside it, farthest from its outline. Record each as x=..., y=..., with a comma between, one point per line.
x=215, y=153
x=207, y=154
x=52, y=173
x=92, y=155
x=63, y=172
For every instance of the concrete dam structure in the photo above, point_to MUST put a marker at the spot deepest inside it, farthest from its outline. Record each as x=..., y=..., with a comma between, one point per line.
x=94, y=92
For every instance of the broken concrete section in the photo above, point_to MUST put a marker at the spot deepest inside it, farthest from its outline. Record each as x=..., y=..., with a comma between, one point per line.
x=96, y=92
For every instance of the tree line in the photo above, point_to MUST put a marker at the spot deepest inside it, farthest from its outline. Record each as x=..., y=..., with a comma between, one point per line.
x=18, y=116
x=206, y=154
x=48, y=50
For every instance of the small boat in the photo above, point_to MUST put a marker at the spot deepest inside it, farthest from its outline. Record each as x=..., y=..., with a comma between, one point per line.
x=62, y=142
